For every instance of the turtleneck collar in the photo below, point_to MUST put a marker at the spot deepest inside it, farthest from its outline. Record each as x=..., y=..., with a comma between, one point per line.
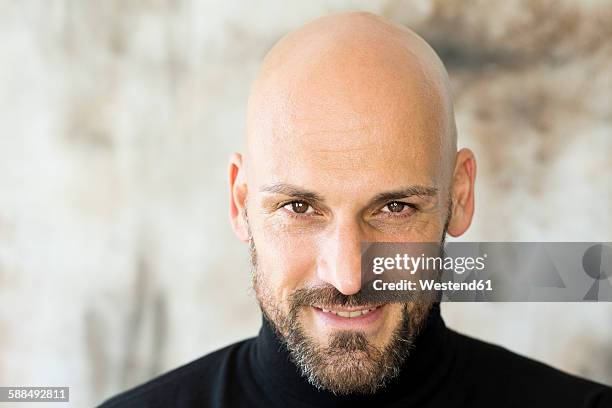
x=422, y=373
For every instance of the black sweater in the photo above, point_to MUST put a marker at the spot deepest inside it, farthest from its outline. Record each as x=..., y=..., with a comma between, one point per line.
x=445, y=369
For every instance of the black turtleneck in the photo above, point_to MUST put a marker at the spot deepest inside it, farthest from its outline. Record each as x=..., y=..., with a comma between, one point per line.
x=445, y=369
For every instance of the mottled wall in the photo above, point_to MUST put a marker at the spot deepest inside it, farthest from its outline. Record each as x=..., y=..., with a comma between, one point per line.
x=116, y=120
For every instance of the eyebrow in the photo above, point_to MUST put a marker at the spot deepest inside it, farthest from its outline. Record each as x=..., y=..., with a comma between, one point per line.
x=292, y=191
x=406, y=192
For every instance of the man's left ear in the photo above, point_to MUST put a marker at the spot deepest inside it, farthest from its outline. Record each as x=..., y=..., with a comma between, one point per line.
x=462, y=192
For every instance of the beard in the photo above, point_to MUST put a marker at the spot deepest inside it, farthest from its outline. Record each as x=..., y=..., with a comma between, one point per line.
x=348, y=363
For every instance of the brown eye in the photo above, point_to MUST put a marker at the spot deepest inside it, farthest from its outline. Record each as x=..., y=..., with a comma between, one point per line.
x=299, y=207
x=395, y=206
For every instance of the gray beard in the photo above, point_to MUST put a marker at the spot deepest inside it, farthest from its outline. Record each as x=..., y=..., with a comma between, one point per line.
x=349, y=363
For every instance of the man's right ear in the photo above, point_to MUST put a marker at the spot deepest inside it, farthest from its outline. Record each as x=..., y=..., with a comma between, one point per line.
x=238, y=193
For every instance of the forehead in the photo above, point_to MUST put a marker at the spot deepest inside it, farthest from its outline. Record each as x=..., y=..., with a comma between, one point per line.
x=356, y=154
x=328, y=138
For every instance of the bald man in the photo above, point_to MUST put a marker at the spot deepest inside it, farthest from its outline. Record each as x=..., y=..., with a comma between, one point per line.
x=351, y=138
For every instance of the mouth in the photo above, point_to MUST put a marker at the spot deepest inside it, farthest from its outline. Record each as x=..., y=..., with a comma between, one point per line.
x=349, y=313
x=353, y=318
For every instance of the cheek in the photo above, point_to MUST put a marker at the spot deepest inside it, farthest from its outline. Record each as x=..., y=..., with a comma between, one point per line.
x=287, y=261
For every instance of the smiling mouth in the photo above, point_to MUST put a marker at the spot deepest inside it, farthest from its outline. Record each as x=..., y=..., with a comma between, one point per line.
x=349, y=313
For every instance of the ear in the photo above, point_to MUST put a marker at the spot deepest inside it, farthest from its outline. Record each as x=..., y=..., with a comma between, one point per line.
x=462, y=193
x=238, y=193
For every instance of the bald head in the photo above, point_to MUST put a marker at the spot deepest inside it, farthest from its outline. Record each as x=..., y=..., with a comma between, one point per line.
x=353, y=71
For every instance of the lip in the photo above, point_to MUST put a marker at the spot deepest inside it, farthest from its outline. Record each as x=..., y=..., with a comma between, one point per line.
x=348, y=309
x=362, y=322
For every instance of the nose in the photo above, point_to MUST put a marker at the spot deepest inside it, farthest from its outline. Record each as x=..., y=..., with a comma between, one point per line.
x=339, y=262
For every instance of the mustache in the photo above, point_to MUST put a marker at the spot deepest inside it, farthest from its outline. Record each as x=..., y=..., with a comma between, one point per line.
x=327, y=295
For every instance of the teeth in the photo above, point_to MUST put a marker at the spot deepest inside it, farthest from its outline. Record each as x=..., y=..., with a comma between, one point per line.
x=355, y=313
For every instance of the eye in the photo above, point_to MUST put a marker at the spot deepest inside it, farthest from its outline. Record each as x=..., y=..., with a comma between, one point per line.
x=397, y=207
x=299, y=207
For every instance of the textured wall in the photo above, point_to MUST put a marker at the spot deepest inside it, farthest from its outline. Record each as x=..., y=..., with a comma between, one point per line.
x=116, y=119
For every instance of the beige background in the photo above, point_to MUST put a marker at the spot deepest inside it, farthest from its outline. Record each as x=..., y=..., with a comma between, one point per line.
x=116, y=120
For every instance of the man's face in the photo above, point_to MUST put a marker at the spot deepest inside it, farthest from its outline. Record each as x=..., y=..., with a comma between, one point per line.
x=341, y=174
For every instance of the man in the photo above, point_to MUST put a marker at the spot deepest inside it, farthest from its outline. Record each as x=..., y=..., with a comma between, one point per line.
x=351, y=138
